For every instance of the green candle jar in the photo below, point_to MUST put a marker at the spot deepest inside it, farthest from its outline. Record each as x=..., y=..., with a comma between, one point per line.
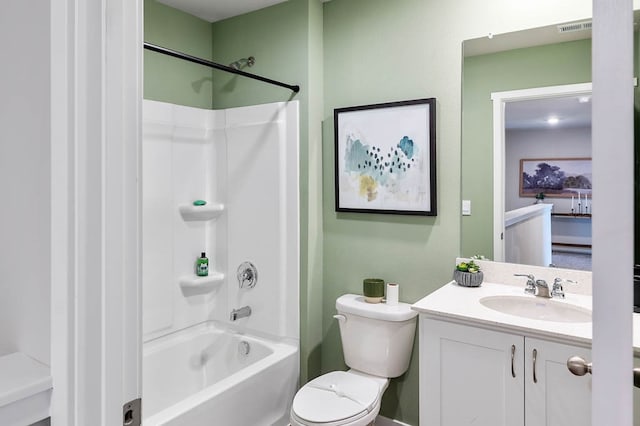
x=373, y=289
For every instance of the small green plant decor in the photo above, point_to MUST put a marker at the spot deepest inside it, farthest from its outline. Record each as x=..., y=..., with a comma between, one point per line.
x=468, y=274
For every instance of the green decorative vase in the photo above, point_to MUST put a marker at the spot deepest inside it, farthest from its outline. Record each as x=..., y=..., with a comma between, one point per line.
x=373, y=289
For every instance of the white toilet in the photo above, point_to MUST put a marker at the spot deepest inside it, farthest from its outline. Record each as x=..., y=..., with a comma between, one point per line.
x=377, y=340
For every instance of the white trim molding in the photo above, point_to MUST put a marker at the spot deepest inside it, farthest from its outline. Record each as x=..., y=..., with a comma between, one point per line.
x=95, y=137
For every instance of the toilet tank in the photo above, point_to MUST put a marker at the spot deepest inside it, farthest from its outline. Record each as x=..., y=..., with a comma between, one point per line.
x=377, y=338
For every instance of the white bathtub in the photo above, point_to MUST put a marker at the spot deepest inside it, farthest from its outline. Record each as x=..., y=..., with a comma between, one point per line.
x=207, y=376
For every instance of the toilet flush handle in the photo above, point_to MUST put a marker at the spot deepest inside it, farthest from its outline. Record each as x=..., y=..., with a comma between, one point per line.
x=340, y=317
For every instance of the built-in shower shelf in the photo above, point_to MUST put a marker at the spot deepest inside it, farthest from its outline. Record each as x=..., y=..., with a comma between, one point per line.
x=208, y=283
x=189, y=212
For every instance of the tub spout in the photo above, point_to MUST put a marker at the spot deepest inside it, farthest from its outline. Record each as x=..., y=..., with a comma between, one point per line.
x=245, y=311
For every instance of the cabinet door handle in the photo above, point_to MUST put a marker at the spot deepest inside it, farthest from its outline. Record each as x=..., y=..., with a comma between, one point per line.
x=535, y=357
x=513, y=353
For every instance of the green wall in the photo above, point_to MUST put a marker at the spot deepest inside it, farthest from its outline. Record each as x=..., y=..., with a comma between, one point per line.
x=375, y=51
x=174, y=80
x=562, y=63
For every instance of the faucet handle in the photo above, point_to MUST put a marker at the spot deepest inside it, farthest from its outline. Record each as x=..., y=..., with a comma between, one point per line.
x=530, y=287
x=564, y=280
x=558, y=289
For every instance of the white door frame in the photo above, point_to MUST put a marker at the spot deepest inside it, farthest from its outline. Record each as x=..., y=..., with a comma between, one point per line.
x=500, y=100
x=96, y=51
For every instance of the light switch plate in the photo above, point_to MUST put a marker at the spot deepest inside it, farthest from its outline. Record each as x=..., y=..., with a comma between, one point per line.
x=466, y=207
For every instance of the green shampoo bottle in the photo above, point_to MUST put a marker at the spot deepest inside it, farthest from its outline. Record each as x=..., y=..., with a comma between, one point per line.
x=202, y=265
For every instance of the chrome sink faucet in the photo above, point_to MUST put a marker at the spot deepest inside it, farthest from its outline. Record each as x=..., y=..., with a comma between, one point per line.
x=538, y=288
x=245, y=311
x=543, y=289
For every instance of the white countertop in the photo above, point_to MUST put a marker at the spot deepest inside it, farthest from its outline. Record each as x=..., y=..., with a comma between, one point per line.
x=462, y=304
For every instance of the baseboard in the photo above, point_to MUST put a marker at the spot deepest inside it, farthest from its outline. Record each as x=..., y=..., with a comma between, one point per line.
x=385, y=421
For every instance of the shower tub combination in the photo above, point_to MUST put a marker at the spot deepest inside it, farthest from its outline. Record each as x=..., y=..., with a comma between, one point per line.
x=201, y=365
x=209, y=375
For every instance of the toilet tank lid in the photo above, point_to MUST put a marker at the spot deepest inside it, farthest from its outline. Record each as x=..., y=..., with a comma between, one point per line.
x=356, y=305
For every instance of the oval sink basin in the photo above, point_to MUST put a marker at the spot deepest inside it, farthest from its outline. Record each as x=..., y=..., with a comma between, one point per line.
x=537, y=308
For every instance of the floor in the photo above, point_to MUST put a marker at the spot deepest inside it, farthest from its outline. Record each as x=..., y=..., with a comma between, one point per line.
x=568, y=260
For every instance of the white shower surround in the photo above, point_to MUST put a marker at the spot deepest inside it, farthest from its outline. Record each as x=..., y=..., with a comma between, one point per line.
x=246, y=161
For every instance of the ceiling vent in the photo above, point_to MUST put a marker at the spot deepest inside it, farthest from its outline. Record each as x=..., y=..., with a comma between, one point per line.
x=575, y=26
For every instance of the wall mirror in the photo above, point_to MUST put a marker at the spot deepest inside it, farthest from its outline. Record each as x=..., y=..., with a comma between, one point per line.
x=540, y=83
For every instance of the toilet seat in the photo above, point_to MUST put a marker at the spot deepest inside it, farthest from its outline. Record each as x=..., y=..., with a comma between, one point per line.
x=337, y=398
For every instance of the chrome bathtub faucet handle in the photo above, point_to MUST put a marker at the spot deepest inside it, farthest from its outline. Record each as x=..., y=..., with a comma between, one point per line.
x=247, y=274
x=530, y=287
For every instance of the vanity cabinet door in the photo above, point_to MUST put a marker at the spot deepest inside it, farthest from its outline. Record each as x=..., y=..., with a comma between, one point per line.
x=554, y=396
x=470, y=376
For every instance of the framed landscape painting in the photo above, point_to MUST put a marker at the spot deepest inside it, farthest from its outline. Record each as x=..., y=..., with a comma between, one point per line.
x=385, y=158
x=555, y=177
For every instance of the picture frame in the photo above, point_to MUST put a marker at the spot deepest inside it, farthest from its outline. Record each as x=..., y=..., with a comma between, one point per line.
x=555, y=177
x=385, y=158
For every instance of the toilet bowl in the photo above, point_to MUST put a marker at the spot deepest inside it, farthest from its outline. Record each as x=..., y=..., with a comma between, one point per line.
x=339, y=398
x=377, y=340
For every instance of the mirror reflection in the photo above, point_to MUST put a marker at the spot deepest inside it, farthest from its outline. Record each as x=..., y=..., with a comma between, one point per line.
x=538, y=128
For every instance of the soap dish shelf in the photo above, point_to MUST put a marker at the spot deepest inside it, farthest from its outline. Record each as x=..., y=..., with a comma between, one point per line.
x=189, y=212
x=202, y=284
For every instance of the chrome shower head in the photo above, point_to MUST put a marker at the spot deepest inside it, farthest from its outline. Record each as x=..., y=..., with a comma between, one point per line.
x=243, y=62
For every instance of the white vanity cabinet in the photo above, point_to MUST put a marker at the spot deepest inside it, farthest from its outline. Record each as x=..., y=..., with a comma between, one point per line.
x=553, y=395
x=466, y=376
x=471, y=375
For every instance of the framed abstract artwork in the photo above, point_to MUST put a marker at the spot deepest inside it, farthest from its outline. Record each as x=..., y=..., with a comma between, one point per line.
x=385, y=158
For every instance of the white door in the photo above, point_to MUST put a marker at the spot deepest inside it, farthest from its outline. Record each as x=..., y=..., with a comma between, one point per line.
x=470, y=376
x=554, y=396
x=612, y=144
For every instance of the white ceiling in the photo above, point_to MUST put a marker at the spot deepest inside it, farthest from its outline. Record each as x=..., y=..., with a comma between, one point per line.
x=216, y=10
x=533, y=114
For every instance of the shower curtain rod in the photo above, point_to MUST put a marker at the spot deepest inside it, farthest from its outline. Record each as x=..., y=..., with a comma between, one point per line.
x=180, y=55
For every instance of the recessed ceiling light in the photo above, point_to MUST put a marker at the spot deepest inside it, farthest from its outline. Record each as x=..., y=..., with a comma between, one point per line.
x=584, y=99
x=553, y=120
